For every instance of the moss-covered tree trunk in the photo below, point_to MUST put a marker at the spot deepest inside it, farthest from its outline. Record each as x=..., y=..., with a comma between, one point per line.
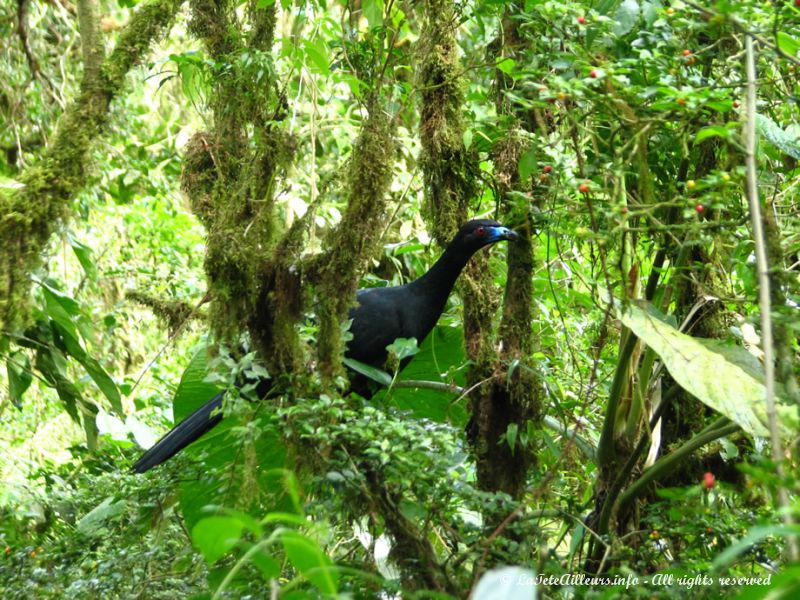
x=30, y=216
x=502, y=409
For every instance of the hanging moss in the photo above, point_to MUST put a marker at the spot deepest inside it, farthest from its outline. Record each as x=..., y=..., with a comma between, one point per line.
x=198, y=177
x=30, y=216
x=448, y=168
x=174, y=313
x=230, y=175
x=357, y=236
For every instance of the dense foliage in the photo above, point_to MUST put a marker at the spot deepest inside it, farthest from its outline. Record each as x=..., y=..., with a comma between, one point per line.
x=191, y=193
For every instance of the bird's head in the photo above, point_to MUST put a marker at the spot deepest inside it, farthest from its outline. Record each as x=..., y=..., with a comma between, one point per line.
x=478, y=233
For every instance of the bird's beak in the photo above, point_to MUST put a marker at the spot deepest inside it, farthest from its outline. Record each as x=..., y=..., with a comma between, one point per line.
x=504, y=233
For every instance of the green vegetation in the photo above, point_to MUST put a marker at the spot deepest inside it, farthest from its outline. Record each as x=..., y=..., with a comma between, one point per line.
x=191, y=192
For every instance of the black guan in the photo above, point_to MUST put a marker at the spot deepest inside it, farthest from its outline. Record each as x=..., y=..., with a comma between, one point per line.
x=380, y=316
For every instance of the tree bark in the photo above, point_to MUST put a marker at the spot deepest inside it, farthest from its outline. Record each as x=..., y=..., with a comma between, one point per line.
x=33, y=213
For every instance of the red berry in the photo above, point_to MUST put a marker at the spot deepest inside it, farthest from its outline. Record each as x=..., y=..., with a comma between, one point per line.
x=797, y=3
x=583, y=188
x=581, y=19
x=700, y=209
x=687, y=52
x=547, y=169
x=593, y=73
x=708, y=479
x=735, y=103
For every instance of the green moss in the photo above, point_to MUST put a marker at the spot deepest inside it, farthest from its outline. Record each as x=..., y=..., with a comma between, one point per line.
x=356, y=237
x=449, y=169
x=230, y=175
x=30, y=216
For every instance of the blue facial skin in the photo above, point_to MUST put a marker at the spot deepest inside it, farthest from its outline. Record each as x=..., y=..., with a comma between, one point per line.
x=495, y=234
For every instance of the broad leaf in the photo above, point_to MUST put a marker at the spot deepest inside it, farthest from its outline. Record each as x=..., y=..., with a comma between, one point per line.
x=439, y=355
x=311, y=561
x=369, y=371
x=93, y=521
x=18, y=366
x=220, y=448
x=215, y=536
x=783, y=140
x=725, y=377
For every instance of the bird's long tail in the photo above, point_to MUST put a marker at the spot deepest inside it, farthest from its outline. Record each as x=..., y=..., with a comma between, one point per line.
x=184, y=433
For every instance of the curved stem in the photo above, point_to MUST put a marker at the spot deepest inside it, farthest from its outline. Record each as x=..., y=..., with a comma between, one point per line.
x=664, y=466
x=605, y=448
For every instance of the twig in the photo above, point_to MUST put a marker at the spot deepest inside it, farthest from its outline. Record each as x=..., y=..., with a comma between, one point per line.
x=748, y=33
x=22, y=32
x=764, y=302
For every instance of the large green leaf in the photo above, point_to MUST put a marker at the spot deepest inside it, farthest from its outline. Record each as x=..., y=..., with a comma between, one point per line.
x=309, y=559
x=723, y=376
x=221, y=450
x=18, y=367
x=66, y=341
x=783, y=140
x=215, y=536
x=378, y=375
x=438, y=359
x=94, y=521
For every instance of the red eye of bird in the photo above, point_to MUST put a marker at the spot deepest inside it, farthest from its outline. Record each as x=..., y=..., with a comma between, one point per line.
x=480, y=231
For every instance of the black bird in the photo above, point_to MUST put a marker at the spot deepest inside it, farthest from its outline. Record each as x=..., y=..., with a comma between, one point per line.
x=381, y=316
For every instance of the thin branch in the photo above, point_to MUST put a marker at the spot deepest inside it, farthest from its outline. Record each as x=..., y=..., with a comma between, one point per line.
x=764, y=302
x=91, y=41
x=22, y=32
x=664, y=465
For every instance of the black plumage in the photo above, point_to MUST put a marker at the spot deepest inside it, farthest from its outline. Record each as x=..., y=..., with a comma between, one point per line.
x=380, y=317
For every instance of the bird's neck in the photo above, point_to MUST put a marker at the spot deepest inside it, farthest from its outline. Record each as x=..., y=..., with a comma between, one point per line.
x=438, y=282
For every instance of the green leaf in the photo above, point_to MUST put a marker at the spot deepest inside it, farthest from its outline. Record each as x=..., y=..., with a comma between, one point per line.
x=284, y=517
x=754, y=536
x=403, y=348
x=221, y=448
x=84, y=256
x=268, y=566
x=440, y=353
x=93, y=521
x=506, y=65
x=307, y=557
x=511, y=436
x=783, y=140
x=626, y=16
x=712, y=131
x=725, y=377
x=369, y=371
x=61, y=308
x=317, y=56
x=90, y=426
x=66, y=342
x=215, y=536
x=467, y=137
x=18, y=367
x=527, y=165
x=373, y=12
x=787, y=43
